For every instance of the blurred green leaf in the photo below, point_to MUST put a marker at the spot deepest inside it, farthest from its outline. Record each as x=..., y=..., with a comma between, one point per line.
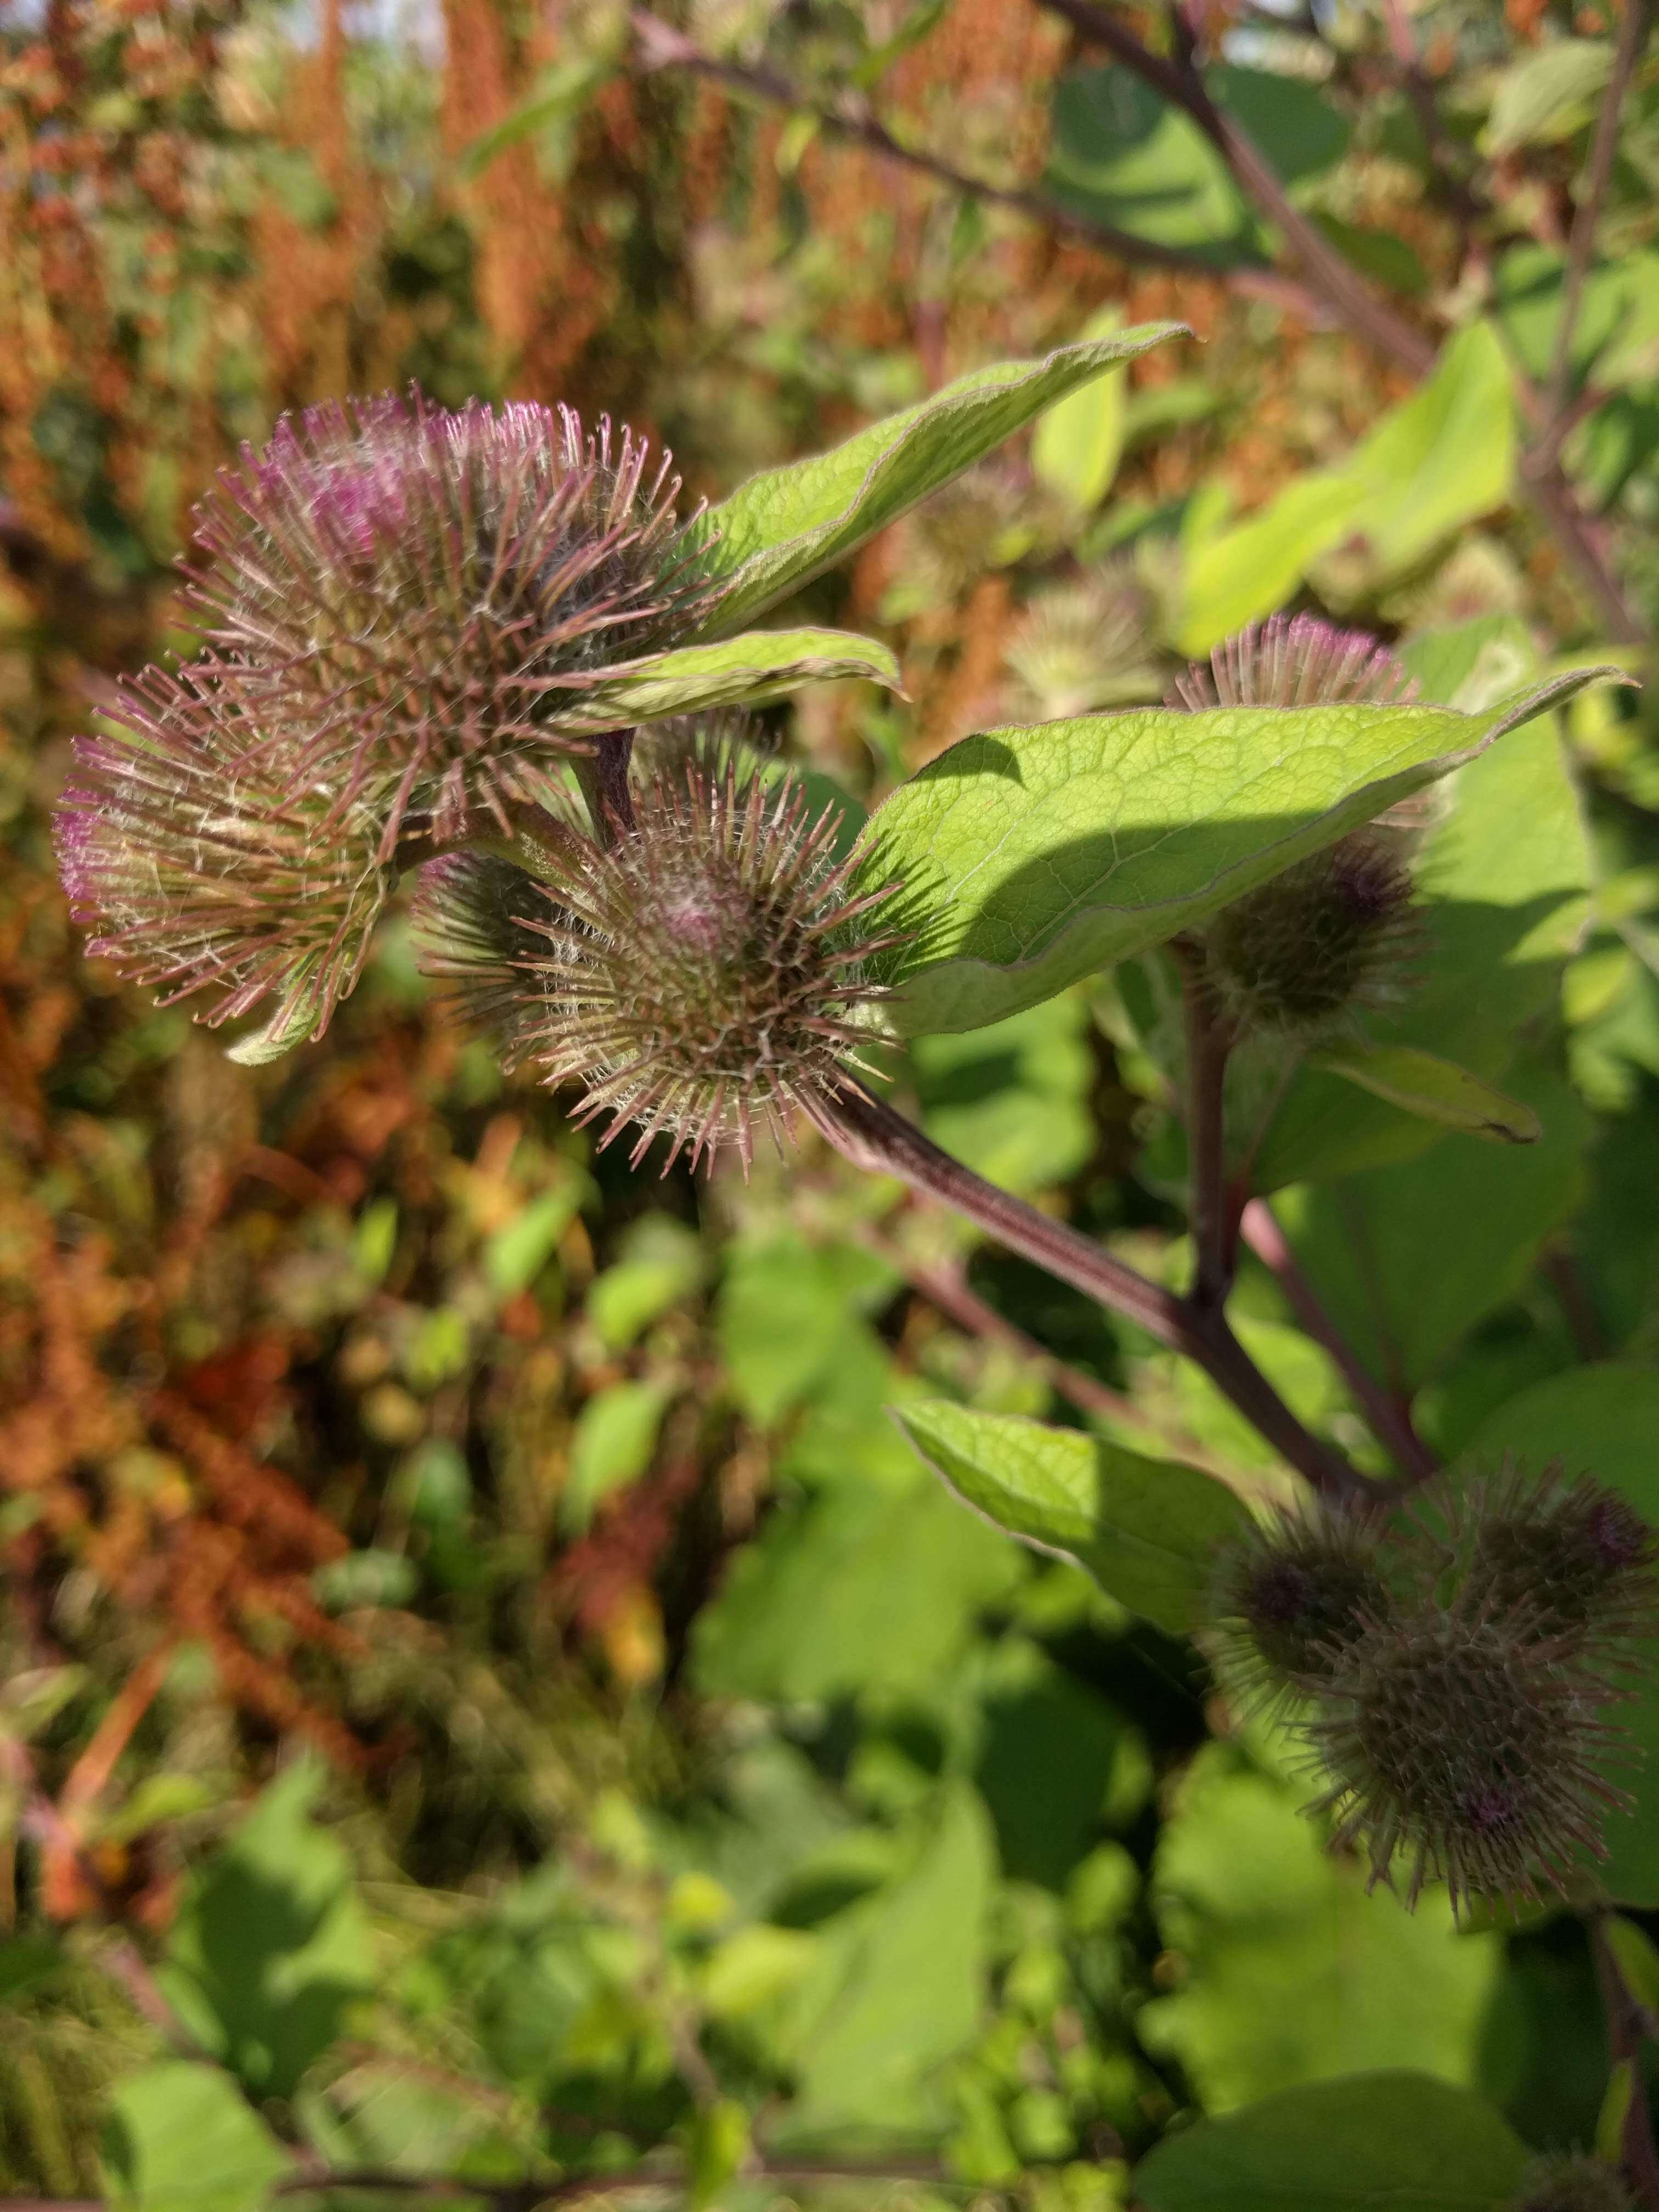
x=1148, y=1530
x=1435, y=1090
x=615, y=1437
x=1546, y=95
x=27, y=1960
x=369, y=1577
x=515, y=1256
x=1399, y=2140
x=661, y=1262
x=1013, y=1100
x=788, y=1310
x=1079, y=441
x=181, y=2139
x=785, y=526
x=562, y=93
x=1603, y=1420
x=1122, y=154
x=1291, y=121
x=1291, y=1971
x=270, y=1946
x=717, y=2143
x=375, y=1239
x=1033, y=857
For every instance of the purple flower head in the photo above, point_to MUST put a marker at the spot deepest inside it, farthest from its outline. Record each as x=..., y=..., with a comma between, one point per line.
x=1295, y=660
x=700, y=973
x=192, y=845
x=426, y=603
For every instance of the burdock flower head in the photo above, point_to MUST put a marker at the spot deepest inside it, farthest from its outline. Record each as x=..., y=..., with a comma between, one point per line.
x=1301, y=954
x=699, y=967
x=426, y=603
x=203, y=860
x=1292, y=1596
x=1466, y=1743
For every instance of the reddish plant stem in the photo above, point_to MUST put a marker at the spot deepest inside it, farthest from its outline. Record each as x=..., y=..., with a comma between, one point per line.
x=1389, y=1421
x=1627, y=2027
x=870, y=1135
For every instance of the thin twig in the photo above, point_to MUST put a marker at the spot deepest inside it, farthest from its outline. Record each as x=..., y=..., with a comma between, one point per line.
x=1627, y=2025
x=875, y=1138
x=1390, y=1422
x=1586, y=219
x=661, y=47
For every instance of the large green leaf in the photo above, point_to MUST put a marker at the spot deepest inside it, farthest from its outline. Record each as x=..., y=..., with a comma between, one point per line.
x=1032, y=857
x=181, y=2138
x=1125, y=156
x=1502, y=876
x=1148, y=1530
x=270, y=1945
x=1233, y=575
x=760, y=665
x=1603, y=1420
x=1407, y=1259
x=1292, y=1970
x=1375, y=2143
x=785, y=526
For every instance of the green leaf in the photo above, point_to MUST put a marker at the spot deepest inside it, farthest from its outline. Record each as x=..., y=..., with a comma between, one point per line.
x=1435, y=1090
x=270, y=1945
x=1482, y=1213
x=1376, y=2142
x=897, y=1988
x=786, y=526
x=615, y=1435
x=1292, y=122
x=1294, y=1971
x=717, y=2143
x=1547, y=94
x=660, y=1263
x=788, y=1317
x=1440, y=458
x=1013, y=1101
x=1124, y=155
x=1601, y=1420
x=564, y=91
x=181, y=2139
x=869, y=1584
x=1146, y=1529
x=748, y=671
x=1237, y=575
x=1076, y=444
x=1034, y=856
x=26, y=1960
x=516, y=1253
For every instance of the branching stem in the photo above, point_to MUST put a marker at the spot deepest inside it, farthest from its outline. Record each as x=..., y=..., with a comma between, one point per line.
x=1389, y=1420
x=1209, y=1042
x=875, y=1138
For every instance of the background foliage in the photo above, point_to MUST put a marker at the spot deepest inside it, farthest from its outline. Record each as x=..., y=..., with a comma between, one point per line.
x=489, y=1693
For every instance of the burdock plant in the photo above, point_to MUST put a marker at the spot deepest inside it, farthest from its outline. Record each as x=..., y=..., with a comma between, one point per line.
x=430, y=641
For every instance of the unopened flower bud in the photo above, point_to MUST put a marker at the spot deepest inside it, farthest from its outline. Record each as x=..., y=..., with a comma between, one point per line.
x=1292, y=1596
x=1311, y=946
x=1463, y=1742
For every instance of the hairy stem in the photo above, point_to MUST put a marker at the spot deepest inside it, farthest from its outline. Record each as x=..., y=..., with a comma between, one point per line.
x=866, y=1131
x=1389, y=1421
